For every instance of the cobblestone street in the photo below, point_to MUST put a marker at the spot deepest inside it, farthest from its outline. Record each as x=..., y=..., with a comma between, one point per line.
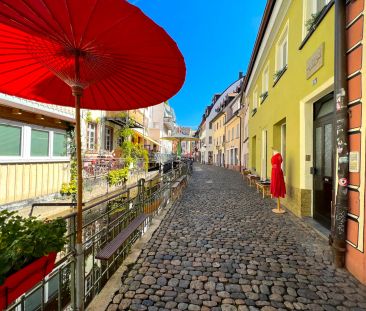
x=221, y=248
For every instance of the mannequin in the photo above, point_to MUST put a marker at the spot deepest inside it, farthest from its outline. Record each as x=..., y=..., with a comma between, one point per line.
x=278, y=187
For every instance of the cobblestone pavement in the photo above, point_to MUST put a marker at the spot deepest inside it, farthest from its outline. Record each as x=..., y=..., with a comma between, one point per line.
x=221, y=248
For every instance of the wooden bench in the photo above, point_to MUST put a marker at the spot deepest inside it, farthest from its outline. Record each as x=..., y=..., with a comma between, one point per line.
x=264, y=187
x=252, y=179
x=183, y=180
x=111, y=247
x=176, y=189
x=245, y=172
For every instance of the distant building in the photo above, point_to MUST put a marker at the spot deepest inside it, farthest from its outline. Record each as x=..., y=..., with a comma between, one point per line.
x=218, y=101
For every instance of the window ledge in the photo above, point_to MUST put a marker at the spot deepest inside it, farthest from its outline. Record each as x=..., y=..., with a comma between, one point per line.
x=323, y=13
x=254, y=111
x=283, y=70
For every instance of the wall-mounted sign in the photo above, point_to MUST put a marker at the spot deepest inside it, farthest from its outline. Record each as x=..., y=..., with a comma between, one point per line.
x=354, y=162
x=315, y=62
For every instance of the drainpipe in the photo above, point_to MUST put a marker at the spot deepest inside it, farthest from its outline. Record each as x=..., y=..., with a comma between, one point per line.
x=240, y=121
x=340, y=208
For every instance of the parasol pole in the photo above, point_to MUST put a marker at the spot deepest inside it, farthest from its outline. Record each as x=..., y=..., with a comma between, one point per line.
x=77, y=92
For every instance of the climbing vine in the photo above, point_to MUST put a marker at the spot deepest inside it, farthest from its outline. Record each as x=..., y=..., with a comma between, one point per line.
x=131, y=152
x=70, y=188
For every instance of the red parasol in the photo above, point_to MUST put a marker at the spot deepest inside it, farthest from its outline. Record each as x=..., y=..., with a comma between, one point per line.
x=278, y=187
x=125, y=60
x=106, y=51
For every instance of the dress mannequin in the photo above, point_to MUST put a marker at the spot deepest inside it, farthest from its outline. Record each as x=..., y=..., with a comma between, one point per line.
x=278, y=187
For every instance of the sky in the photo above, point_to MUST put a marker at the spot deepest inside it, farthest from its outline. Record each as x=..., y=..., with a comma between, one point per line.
x=216, y=38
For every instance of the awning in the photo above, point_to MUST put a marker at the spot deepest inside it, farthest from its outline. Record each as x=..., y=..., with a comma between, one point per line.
x=146, y=137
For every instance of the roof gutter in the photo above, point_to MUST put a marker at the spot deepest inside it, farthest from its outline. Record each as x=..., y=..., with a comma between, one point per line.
x=262, y=29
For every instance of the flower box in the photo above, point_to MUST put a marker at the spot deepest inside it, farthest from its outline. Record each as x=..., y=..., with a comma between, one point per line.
x=23, y=280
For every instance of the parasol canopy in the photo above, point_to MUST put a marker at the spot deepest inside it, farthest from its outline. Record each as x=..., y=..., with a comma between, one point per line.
x=109, y=48
x=94, y=54
x=179, y=138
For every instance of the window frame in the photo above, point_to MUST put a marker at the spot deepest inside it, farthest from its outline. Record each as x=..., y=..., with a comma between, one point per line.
x=107, y=127
x=282, y=39
x=265, y=80
x=25, y=145
x=255, y=99
x=314, y=10
x=88, y=136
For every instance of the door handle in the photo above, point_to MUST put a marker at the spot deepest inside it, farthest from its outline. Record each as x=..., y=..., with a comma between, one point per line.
x=313, y=170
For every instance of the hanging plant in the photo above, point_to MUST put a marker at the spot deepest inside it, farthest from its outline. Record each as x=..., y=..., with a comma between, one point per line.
x=278, y=74
x=263, y=96
x=28, y=250
x=312, y=22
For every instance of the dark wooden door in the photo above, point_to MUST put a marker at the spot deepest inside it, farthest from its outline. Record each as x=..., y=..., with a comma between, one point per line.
x=323, y=160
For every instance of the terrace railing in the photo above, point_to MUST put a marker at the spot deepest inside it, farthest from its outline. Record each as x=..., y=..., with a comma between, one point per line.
x=102, y=221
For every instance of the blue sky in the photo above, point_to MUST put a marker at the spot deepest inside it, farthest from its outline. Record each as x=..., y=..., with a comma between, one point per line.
x=216, y=38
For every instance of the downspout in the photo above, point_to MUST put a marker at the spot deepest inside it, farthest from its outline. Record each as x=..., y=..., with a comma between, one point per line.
x=340, y=207
x=240, y=122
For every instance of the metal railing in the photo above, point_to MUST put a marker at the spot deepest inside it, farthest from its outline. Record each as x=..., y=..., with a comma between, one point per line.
x=102, y=221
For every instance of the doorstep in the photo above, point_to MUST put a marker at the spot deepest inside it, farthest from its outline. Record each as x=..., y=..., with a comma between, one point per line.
x=320, y=229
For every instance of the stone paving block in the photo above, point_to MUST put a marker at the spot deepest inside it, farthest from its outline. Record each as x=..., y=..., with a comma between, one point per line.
x=221, y=248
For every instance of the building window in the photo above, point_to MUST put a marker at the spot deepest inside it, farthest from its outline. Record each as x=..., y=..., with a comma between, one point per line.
x=108, y=138
x=91, y=136
x=232, y=133
x=28, y=142
x=282, y=53
x=312, y=10
x=210, y=126
x=59, y=145
x=237, y=131
x=228, y=135
x=39, y=143
x=210, y=139
x=265, y=83
x=255, y=99
x=10, y=140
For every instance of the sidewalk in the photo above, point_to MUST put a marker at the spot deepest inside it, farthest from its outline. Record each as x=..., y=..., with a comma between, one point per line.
x=221, y=248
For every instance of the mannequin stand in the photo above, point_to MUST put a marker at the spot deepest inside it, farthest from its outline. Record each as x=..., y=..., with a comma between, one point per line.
x=278, y=210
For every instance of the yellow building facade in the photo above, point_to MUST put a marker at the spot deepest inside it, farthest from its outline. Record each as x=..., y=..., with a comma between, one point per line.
x=218, y=138
x=290, y=80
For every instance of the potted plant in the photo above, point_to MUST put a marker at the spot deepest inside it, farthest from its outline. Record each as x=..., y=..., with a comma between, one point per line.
x=28, y=249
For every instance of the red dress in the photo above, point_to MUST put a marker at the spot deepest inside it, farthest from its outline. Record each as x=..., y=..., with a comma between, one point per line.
x=278, y=187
